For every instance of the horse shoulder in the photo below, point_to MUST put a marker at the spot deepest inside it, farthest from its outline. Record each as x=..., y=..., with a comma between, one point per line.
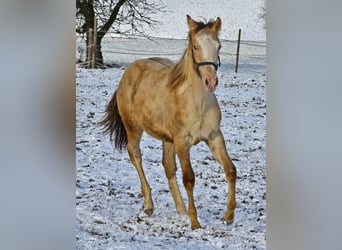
x=211, y=119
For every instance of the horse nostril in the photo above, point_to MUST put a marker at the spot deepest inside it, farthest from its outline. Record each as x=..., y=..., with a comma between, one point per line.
x=207, y=82
x=216, y=81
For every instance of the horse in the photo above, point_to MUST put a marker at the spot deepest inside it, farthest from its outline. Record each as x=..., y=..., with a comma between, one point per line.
x=176, y=104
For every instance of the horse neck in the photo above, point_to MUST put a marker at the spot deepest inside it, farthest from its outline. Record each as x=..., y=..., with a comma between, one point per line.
x=188, y=85
x=184, y=72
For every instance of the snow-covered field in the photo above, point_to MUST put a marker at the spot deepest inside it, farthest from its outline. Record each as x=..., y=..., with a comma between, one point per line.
x=108, y=200
x=235, y=15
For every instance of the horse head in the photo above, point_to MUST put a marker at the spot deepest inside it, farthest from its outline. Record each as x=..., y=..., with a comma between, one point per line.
x=205, y=45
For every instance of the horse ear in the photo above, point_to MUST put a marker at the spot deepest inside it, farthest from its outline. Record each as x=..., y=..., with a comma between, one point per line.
x=217, y=25
x=191, y=23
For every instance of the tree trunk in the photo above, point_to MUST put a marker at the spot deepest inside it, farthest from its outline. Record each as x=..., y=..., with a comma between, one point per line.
x=98, y=53
x=87, y=9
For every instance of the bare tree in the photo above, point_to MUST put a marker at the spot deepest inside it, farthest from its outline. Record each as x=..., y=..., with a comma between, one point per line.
x=127, y=17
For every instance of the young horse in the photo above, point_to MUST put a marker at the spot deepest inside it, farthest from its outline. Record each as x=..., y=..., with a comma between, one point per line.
x=176, y=104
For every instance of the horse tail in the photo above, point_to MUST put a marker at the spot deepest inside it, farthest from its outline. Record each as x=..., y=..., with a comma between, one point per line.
x=113, y=125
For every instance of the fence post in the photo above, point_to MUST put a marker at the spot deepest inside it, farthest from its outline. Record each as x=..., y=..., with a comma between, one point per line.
x=89, y=48
x=238, y=52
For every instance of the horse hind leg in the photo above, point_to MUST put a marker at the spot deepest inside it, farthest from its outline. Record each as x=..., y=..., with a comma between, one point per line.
x=134, y=152
x=170, y=167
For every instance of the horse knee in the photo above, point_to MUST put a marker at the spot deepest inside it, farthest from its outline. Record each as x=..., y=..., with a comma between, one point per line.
x=170, y=175
x=170, y=169
x=231, y=172
x=189, y=179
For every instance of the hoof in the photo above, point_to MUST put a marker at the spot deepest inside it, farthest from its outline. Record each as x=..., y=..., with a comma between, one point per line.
x=196, y=226
x=228, y=222
x=229, y=217
x=148, y=211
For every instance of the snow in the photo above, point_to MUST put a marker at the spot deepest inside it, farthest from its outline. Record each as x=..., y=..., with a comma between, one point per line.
x=108, y=200
x=235, y=15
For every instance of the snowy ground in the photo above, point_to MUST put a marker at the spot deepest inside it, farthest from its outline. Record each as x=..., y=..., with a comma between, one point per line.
x=108, y=200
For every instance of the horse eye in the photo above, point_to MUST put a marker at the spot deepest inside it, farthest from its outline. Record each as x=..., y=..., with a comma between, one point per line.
x=196, y=47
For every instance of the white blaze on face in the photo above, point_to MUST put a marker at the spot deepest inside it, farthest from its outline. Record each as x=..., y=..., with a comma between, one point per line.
x=208, y=52
x=209, y=48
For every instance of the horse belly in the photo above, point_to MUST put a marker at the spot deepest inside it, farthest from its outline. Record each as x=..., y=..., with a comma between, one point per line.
x=154, y=115
x=156, y=129
x=146, y=94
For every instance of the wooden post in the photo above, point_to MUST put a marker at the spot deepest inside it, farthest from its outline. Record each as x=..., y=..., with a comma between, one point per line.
x=238, y=52
x=89, y=49
x=94, y=44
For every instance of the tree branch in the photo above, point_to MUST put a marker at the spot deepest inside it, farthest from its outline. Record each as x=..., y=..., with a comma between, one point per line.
x=111, y=19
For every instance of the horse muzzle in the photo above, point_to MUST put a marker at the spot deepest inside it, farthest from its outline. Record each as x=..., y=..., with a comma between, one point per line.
x=211, y=83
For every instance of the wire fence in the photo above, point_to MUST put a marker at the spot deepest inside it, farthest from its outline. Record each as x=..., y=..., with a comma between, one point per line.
x=120, y=51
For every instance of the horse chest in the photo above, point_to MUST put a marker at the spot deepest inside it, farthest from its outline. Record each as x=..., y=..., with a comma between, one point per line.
x=202, y=123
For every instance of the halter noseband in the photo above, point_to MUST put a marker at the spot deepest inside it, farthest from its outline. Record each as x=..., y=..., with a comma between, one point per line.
x=207, y=63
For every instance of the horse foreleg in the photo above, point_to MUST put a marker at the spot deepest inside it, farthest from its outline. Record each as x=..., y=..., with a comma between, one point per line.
x=183, y=153
x=169, y=164
x=218, y=149
x=135, y=156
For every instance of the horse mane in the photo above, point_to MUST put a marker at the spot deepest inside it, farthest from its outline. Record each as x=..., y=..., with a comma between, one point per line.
x=180, y=71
